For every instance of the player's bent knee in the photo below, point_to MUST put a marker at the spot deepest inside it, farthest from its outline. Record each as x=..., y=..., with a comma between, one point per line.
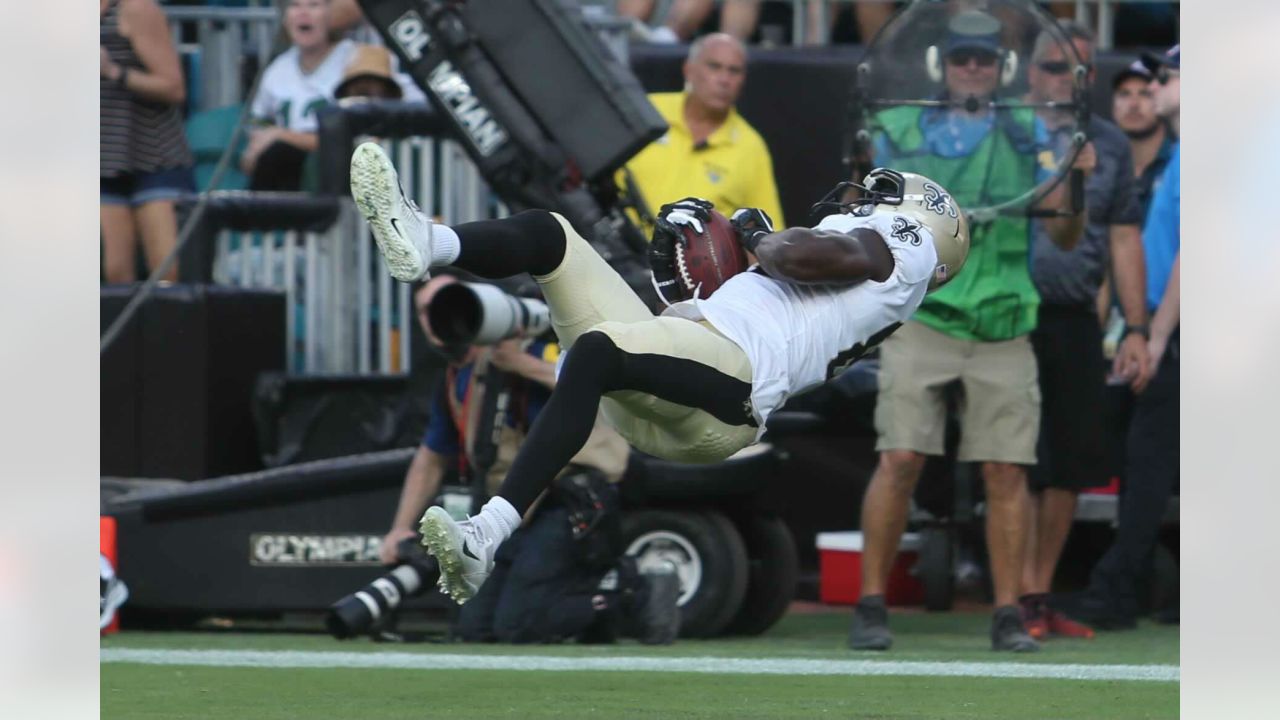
x=594, y=346
x=594, y=361
x=537, y=222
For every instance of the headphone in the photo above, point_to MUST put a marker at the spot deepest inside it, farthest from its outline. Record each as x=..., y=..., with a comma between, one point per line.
x=1008, y=65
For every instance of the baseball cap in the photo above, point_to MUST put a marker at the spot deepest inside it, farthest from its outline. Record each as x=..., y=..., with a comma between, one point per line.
x=1134, y=70
x=1172, y=59
x=973, y=30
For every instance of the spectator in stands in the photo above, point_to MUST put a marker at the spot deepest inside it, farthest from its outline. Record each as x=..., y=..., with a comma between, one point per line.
x=972, y=332
x=368, y=76
x=293, y=87
x=823, y=16
x=1068, y=337
x=1151, y=465
x=144, y=161
x=738, y=18
x=345, y=15
x=710, y=151
x=546, y=585
x=1134, y=110
x=347, y=18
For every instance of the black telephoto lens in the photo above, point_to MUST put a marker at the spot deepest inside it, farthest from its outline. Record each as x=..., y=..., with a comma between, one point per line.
x=357, y=613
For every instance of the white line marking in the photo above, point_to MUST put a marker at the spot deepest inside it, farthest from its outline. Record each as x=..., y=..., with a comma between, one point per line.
x=732, y=666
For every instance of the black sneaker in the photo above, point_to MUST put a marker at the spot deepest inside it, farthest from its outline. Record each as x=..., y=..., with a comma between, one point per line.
x=655, y=614
x=1008, y=633
x=870, y=628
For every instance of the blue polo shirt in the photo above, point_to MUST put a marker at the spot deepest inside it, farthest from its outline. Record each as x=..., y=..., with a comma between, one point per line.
x=1162, y=233
x=442, y=435
x=1154, y=171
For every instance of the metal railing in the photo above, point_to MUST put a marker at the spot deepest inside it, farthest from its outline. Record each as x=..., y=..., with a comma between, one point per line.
x=811, y=18
x=222, y=47
x=216, y=43
x=344, y=312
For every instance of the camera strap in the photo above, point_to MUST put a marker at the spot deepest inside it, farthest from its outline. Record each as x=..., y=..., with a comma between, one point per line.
x=482, y=446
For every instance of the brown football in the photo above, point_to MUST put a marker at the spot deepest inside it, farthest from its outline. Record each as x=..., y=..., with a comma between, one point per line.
x=708, y=259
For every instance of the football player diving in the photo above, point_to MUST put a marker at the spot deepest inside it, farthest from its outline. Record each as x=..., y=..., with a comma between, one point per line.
x=697, y=383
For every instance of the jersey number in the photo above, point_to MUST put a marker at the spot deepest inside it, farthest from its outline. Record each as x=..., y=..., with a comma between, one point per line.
x=842, y=361
x=311, y=109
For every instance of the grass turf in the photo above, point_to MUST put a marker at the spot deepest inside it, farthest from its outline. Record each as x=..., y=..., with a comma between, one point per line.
x=140, y=691
x=173, y=693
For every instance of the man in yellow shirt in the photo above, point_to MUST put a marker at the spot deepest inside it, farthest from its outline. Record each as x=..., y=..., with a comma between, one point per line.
x=710, y=151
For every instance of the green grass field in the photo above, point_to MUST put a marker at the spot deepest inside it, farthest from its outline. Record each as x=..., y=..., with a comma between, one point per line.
x=347, y=690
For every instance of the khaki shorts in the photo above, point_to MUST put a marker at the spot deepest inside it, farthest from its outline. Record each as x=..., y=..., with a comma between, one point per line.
x=585, y=294
x=999, y=400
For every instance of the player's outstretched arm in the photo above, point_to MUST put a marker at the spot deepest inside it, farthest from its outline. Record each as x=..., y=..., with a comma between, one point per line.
x=807, y=256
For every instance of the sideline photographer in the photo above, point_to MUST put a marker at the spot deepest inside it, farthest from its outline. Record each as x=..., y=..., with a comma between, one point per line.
x=570, y=540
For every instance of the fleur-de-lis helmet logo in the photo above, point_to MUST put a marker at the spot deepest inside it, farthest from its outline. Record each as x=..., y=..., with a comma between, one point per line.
x=937, y=200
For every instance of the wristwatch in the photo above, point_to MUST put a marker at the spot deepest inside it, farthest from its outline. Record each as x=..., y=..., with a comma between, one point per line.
x=1142, y=330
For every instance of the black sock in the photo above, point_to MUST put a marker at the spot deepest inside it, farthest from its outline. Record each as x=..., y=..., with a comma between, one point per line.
x=528, y=242
x=591, y=369
x=594, y=367
x=1034, y=599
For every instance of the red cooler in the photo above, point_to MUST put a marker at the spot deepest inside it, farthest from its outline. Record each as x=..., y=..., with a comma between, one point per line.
x=840, y=562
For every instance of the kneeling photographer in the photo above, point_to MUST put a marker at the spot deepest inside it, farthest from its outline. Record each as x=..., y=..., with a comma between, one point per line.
x=561, y=575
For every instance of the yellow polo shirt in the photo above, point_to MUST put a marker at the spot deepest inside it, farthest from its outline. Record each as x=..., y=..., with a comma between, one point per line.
x=732, y=169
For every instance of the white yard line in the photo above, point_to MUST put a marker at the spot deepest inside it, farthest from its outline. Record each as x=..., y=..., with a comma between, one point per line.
x=732, y=666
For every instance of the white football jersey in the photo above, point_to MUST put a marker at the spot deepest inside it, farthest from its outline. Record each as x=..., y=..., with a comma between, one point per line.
x=290, y=98
x=800, y=336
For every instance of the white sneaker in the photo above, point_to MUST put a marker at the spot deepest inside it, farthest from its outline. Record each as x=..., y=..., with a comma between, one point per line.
x=462, y=549
x=403, y=232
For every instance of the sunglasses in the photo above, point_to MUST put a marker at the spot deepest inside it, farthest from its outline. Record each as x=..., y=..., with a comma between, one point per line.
x=1164, y=75
x=960, y=58
x=1059, y=67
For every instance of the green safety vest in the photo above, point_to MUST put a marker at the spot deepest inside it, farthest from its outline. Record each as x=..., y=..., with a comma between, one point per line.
x=992, y=298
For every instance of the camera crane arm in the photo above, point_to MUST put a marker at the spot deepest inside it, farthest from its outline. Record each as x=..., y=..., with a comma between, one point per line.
x=546, y=130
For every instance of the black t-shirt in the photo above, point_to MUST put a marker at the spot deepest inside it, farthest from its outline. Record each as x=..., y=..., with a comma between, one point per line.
x=1111, y=198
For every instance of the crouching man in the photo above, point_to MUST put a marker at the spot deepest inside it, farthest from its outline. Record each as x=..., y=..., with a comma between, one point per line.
x=561, y=574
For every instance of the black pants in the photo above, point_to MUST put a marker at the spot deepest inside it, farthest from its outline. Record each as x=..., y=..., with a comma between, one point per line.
x=1073, y=440
x=1151, y=475
x=540, y=591
x=279, y=168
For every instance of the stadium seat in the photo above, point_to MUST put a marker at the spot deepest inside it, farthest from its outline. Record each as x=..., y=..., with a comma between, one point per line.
x=208, y=133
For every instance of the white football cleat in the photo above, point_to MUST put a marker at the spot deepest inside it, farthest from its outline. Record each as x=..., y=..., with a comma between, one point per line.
x=462, y=549
x=402, y=231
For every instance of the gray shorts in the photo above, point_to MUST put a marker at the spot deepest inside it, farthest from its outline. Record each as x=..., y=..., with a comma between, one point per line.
x=999, y=402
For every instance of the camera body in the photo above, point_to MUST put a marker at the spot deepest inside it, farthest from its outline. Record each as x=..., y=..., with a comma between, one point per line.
x=464, y=313
x=594, y=515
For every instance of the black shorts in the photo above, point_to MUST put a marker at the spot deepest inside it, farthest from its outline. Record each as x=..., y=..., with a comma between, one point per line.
x=1072, y=449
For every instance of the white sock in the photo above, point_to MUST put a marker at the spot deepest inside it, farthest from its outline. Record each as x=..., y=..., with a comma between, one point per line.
x=445, y=245
x=499, y=516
